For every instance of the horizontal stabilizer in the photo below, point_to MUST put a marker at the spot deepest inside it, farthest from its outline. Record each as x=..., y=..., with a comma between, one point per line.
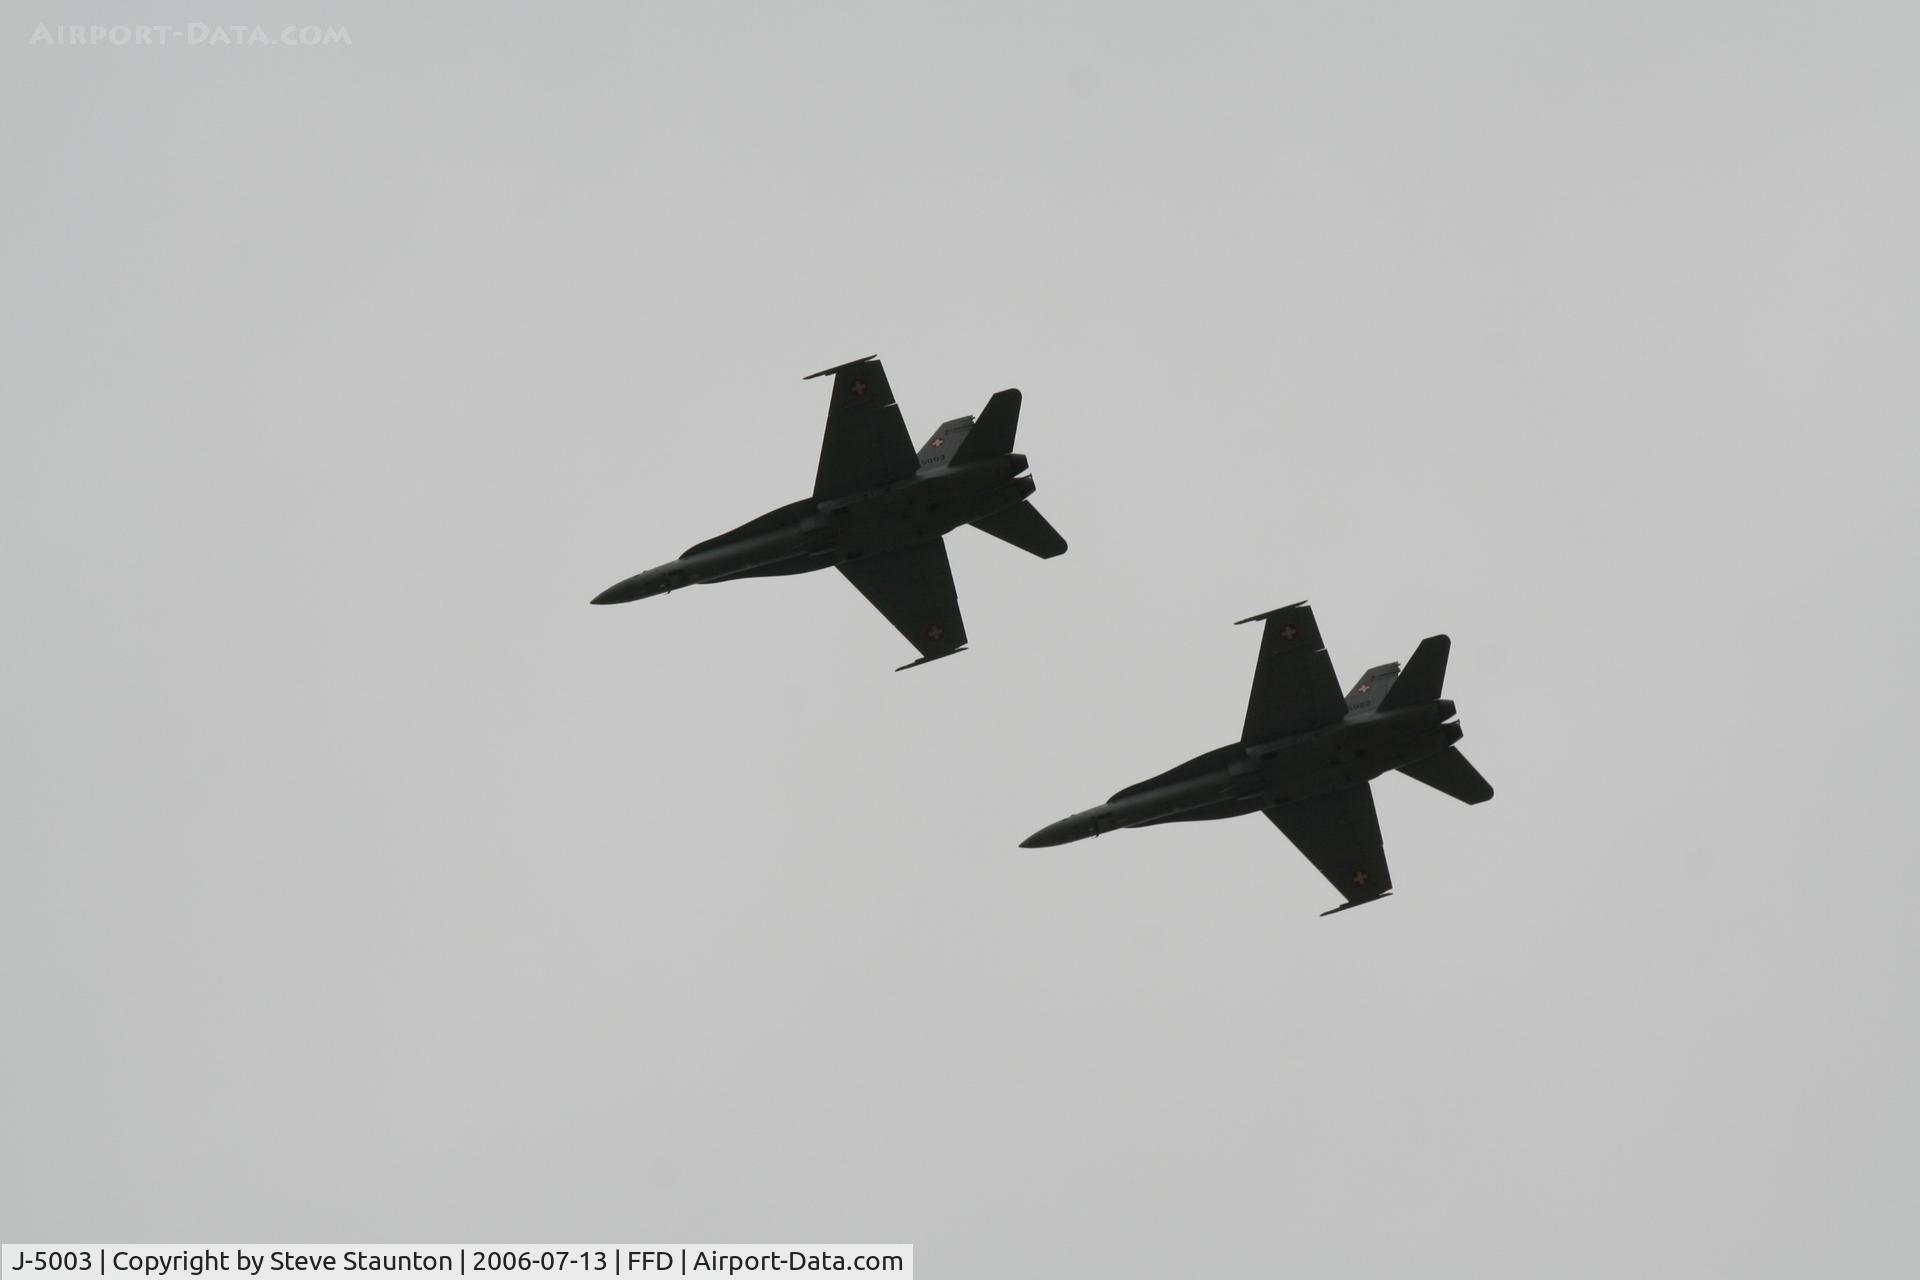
x=1024, y=526
x=1421, y=682
x=1450, y=772
x=992, y=433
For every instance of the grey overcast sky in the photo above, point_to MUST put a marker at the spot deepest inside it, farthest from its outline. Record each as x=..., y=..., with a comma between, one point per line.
x=361, y=882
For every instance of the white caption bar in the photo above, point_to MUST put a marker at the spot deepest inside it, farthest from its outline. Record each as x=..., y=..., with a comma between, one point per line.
x=496, y=1261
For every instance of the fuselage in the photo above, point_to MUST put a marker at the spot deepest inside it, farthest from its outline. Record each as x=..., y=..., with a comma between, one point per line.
x=820, y=533
x=1243, y=778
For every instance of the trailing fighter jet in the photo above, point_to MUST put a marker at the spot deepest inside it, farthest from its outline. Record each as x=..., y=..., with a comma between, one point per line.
x=1306, y=756
x=879, y=512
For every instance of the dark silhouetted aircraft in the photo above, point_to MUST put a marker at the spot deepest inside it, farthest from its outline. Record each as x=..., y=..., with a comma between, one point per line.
x=879, y=511
x=1306, y=756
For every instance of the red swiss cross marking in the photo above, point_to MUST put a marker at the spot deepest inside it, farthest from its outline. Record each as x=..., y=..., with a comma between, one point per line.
x=937, y=442
x=1289, y=631
x=936, y=631
x=858, y=387
x=1363, y=688
x=1359, y=877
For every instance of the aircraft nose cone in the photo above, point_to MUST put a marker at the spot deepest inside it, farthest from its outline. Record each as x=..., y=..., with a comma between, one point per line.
x=621, y=592
x=1060, y=832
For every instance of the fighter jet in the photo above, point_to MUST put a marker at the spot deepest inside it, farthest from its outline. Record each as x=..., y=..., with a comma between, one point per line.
x=879, y=512
x=1306, y=758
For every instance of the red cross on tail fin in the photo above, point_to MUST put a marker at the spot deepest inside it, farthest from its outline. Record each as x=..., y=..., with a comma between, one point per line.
x=945, y=441
x=1371, y=687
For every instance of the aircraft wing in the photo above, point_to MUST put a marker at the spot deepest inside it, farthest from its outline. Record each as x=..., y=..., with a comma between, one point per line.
x=1294, y=688
x=914, y=588
x=866, y=443
x=1340, y=834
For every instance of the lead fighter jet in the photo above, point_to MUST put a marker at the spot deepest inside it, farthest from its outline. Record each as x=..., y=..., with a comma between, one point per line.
x=879, y=512
x=1306, y=756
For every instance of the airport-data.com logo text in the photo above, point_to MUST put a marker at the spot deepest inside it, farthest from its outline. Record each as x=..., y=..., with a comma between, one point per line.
x=193, y=35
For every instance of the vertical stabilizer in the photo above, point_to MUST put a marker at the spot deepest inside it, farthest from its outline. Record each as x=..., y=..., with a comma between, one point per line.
x=1426, y=672
x=1371, y=687
x=945, y=442
x=992, y=432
